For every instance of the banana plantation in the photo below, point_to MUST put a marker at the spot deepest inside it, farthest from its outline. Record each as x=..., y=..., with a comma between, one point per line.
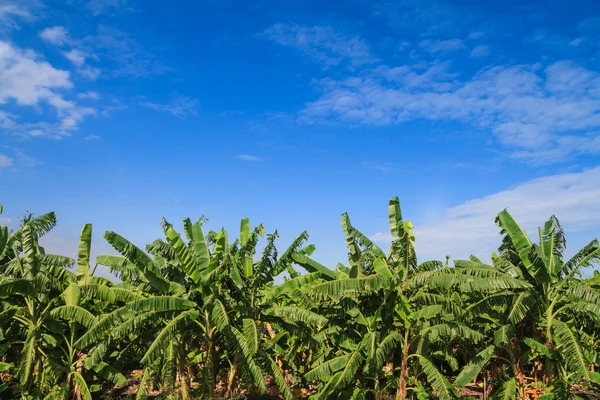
x=199, y=314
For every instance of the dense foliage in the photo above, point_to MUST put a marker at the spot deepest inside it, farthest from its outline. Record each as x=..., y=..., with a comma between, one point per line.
x=201, y=316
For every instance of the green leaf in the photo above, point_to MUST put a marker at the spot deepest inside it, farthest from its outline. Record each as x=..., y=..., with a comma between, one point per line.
x=72, y=294
x=142, y=393
x=219, y=315
x=537, y=346
x=571, y=349
x=427, y=312
x=251, y=335
x=292, y=285
x=350, y=286
x=81, y=385
x=324, y=370
x=138, y=258
x=244, y=231
x=395, y=218
x=353, y=364
x=385, y=347
x=163, y=339
x=200, y=247
x=504, y=335
x=17, y=286
x=245, y=352
x=102, y=327
x=110, y=373
x=507, y=391
x=296, y=314
x=517, y=235
x=522, y=305
x=441, y=386
x=313, y=266
x=75, y=314
x=158, y=303
x=472, y=369
x=279, y=379
x=183, y=253
x=381, y=268
x=83, y=252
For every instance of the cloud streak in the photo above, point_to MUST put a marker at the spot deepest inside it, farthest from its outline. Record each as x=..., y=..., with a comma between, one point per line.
x=247, y=157
x=539, y=114
x=181, y=106
x=322, y=43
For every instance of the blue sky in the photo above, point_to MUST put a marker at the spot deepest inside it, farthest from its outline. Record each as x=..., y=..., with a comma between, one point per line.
x=119, y=112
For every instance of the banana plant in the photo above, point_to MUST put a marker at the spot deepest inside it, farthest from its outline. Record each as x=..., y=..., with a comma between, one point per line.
x=203, y=298
x=393, y=321
x=31, y=283
x=540, y=309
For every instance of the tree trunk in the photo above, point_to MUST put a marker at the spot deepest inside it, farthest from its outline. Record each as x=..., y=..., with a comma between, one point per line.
x=183, y=385
x=231, y=381
x=401, y=391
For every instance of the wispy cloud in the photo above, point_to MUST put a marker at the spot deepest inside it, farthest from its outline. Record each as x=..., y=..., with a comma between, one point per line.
x=15, y=158
x=541, y=115
x=60, y=37
x=322, y=43
x=470, y=226
x=180, y=106
x=92, y=137
x=13, y=11
x=442, y=46
x=480, y=51
x=247, y=157
x=5, y=161
x=88, y=95
x=127, y=57
x=56, y=35
x=121, y=54
x=98, y=7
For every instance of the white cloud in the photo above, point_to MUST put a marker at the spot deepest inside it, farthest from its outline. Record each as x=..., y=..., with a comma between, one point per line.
x=540, y=114
x=28, y=80
x=480, y=51
x=92, y=137
x=5, y=161
x=89, y=72
x=88, y=95
x=181, y=106
x=10, y=11
x=469, y=227
x=56, y=35
x=98, y=7
x=76, y=56
x=442, y=46
x=16, y=158
x=247, y=157
x=323, y=43
x=123, y=54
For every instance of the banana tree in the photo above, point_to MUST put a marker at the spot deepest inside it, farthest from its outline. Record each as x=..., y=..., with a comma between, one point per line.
x=540, y=309
x=394, y=324
x=204, y=299
x=30, y=285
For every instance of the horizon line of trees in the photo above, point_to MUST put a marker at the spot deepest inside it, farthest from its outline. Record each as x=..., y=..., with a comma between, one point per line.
x=199, y=316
